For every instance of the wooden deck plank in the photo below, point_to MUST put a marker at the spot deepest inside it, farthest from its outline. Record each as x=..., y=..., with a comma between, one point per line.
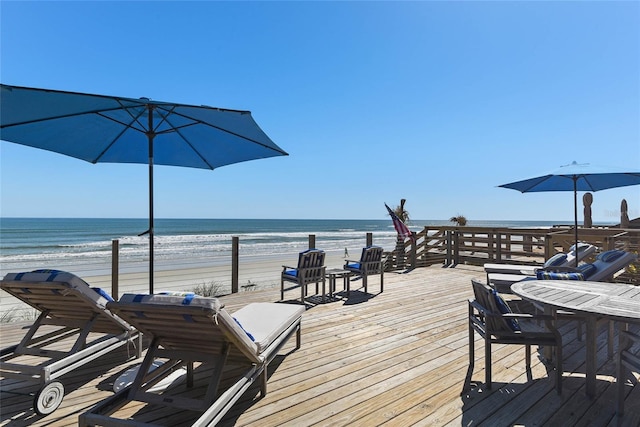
x=395, y=358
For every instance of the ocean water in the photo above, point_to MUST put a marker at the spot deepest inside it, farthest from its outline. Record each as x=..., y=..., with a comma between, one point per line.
x=28, y=243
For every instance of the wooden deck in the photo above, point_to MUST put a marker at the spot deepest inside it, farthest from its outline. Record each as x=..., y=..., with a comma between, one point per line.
x=398, y=358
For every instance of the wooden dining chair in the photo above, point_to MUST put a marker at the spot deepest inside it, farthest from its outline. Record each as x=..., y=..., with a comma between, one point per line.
x=627, y=361
x=499, y=322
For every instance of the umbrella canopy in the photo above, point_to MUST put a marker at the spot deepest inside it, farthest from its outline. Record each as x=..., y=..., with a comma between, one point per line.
x=112, y=129
x=577, y=177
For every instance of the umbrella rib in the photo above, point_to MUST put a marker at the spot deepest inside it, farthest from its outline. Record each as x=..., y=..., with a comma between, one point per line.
x=172, y=128
x=176, y=129
x=63, y=116
x=584, y=177
x=124, y=129
x=196, y=121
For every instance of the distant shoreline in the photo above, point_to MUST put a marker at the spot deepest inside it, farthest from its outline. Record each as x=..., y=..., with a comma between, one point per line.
x=472, y=222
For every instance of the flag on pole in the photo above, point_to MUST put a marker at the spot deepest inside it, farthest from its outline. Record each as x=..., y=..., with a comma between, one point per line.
x=401, y=228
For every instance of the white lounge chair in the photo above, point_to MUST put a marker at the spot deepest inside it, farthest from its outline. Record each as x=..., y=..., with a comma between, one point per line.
x=558, y=260
x=606, y=265
x=74, y=328
x=231, y=352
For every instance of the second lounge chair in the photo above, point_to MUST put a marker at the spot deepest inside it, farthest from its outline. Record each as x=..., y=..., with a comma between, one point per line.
x=226, y=352
x=558, y=260
x=601, y=270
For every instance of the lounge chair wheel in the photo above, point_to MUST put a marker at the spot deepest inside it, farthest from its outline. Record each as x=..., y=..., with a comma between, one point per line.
x=48, y=398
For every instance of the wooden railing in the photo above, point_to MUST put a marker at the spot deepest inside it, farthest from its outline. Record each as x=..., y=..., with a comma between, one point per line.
x=447, y=246
x=451, y=246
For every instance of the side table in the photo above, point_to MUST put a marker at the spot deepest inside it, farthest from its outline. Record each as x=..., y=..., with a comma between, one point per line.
x=332, y=274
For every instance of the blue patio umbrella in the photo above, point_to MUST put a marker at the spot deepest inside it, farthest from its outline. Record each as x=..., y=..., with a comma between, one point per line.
x=113, y=129
x=577, y=177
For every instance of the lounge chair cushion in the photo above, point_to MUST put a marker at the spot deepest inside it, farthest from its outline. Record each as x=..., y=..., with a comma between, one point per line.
x=192, y=300
x=610, y=256
x=176, y=293
x=554, y=275
x=102, y=293
x=355, y=266
x=556, y=260
x=505, y=309
x=265, y=321
x=587, y=270
x=248, y=334
x=186, y=299
x=98, y=295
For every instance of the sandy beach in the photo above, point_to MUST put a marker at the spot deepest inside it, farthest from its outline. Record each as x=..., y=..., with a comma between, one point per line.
x=255, y=272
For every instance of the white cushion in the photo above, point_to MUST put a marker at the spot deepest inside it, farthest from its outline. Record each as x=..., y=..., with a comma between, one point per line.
x=265, y=321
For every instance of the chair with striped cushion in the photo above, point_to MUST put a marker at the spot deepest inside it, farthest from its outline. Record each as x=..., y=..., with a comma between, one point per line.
x=500, y=322
x=558, y=260
x=310, y=269
x=73, y=329
x=223, y=354
x=603, y=269
x=628, y=361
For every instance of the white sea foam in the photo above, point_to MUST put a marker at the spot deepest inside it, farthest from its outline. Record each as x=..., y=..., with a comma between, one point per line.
x=28, y=243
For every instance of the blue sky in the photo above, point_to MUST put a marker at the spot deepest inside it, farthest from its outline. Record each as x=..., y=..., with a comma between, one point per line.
x=435, y=102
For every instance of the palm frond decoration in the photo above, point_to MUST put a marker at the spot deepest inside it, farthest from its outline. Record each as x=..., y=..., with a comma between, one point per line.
x=401, y=212
x=459, y=220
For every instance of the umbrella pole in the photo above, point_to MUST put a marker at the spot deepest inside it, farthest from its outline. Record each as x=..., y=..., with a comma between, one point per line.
x=150, y=136
x=575, y=214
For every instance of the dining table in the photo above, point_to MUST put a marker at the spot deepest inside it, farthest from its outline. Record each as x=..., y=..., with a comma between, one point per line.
x=591, y=300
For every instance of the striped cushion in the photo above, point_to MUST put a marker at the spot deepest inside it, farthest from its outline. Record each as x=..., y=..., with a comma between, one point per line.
x=189, y=299
x=505, y=309
x=552, y=275
x=59, y=276
x=587, y=270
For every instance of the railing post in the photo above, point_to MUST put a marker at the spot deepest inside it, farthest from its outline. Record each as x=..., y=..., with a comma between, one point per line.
x=115, y=268
x=369, y=239
x=527, y=243
x=499, y=246
x=491, y=244
x=400, y=250
x=456, y=247
x=548, y=246
x=609, y=243
x=414, y=240
x=235, y=254
x=312, y=241
x=449, y=259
